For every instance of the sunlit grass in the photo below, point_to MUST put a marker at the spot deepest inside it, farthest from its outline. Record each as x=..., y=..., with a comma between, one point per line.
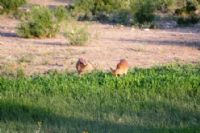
x=159, y=99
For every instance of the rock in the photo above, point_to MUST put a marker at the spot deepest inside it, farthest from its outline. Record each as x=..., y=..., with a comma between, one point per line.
x=146, y=29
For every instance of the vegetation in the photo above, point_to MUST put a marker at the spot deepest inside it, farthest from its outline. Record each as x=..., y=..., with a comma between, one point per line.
x=60, y=13
x=129, y=12
x=144, y=11
x=11, y=5
x=102, y=10
x=40, y=22
x=77, y=36
x=186, y=14
x=165, y=5
x=161, y=99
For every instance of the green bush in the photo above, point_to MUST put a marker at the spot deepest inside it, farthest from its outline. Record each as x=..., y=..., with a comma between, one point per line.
x=186, y=14
x=60, y=13
x=143, y=11
x=11, y=5
x=99, y=6
x=192, y=19
x=39, y=22
x=77, y=36
x=127, y=12
x=164, y=5
x=103, y=10
x=188, y=6
x=191, y=6
x=122, y=17
x=117, y=11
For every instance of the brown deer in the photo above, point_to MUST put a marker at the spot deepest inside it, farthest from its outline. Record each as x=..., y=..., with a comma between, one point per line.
x=82, y=66
x=121, y=69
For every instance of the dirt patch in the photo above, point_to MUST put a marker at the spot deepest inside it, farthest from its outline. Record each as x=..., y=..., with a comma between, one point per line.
x=142, y=48
x=50, y=2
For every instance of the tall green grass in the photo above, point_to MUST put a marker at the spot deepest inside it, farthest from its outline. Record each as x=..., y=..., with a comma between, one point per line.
x=160, y=99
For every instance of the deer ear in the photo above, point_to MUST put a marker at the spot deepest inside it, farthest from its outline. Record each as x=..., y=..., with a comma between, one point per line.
x=112, y=70
x=82, y=61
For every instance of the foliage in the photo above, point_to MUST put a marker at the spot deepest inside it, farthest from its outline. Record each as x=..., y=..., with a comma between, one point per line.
x=123, y=16
x=143, y=11
x=39, y=22
x=60, y=13
x=98, y=6
x=120, y=11
x=187, y=20
x=128, y=12
x=186, y=14
x=191, y=6
x=161, y=99
x=77, y=36
x=11, y=5
x=164, y=5
x=103, y=10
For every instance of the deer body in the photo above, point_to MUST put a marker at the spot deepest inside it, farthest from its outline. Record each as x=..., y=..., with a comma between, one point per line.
x=121, y=69
x=82, y=66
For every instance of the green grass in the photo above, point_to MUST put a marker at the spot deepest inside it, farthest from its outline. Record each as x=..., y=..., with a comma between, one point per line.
x=156, y=100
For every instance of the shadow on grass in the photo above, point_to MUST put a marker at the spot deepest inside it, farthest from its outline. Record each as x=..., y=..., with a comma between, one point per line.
x=51, y=122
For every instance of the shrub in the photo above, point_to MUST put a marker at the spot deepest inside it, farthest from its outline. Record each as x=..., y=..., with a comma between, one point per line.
x=119, y=11
x=60, y=13
x=187, y=20
x=77, y=36
x=191, y=6
x=11, y=5
x=188, y=6
x=39, y=22
x=99, y=6
x=186, y=14
x=102, y=10
x=143, y=11
x=164, y=5
x=122, y=17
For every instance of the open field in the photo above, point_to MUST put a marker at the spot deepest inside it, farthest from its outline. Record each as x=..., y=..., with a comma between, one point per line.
x=108, y=44
x=161, y=99
x=41, y=92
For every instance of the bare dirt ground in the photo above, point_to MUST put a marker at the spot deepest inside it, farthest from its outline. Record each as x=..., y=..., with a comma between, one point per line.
x=50, y=2
x=142, y=48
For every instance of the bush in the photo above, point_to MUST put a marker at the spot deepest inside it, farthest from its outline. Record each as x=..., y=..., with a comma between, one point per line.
x=187, y=20
x=191, y=6
x=60, y=13
x=186, y=14
x=164, y=5
x=77, y=36
x=143, y=11
x=11, y=5
x=122, y=17
x=117, y=11
x=188, y=6
x=39, y=22
x=99, y=6
x=102, y=10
